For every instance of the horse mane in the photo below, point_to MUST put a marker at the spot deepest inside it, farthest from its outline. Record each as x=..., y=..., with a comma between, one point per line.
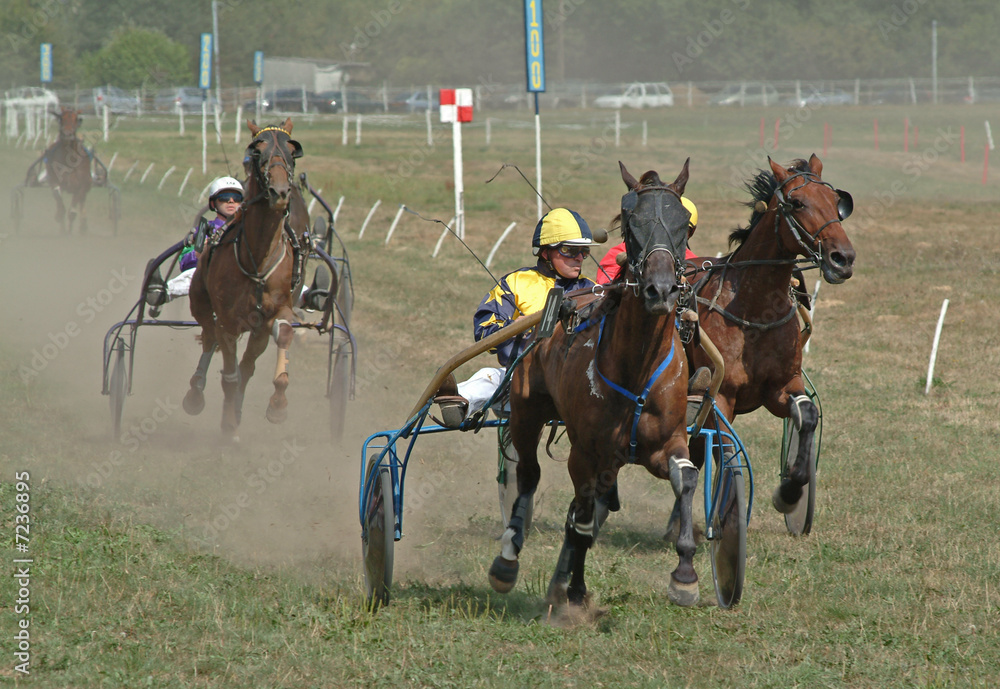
x=761, y=187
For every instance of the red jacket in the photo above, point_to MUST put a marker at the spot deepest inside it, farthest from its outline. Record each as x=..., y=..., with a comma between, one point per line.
x=609, y=267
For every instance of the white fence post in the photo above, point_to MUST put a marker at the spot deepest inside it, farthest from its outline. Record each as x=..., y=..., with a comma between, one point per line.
x=934, y=347
x=444, y=233
x=184, y=183
x=142, y=180
x=159, y=187
x=367, y=218
x=395, y=221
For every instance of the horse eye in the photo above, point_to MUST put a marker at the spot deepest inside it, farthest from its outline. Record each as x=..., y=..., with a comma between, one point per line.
x=797, y=205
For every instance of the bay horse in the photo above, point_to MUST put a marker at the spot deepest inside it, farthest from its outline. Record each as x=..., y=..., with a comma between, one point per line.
x=67, y=169
x=245, y=281
x=620, y=386
x=747, y=303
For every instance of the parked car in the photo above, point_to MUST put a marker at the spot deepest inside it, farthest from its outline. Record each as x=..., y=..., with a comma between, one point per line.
x=290, y=100
x=638, y=95
x=186, y=98
x=116, y=100
x=35, y=96
x=745, y=93
x=415, y=102
x=813, y=97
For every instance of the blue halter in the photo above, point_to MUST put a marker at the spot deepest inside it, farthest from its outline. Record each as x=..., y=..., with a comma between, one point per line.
x=640, y=399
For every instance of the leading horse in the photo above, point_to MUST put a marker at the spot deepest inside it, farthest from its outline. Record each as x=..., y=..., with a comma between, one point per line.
x=747, y=302
x=619, y=384
x=67, y=169
x=246, y=281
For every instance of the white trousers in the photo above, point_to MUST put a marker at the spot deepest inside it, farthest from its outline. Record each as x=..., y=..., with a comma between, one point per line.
x=480, y=387
x=180, y=285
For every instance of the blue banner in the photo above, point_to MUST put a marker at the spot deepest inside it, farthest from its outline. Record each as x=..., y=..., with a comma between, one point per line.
x=534, y=45
x=46, y=59
x=205, y=62
x=258, y=66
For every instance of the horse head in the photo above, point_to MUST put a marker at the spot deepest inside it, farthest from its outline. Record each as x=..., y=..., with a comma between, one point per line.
x=812, y=211
x=69, y=122
x=270, y=162
x=654, y=225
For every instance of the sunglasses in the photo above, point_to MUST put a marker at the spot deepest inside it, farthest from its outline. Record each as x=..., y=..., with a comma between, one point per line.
x=230, y=198
x=570, y=251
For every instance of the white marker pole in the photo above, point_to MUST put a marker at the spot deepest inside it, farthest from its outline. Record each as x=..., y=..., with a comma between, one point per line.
x=367, y=218
x=456, y=138
x=618, y=127
x=104, y=123
x=336, y=210
x=489, y=259
x=395, y=221
x=142, y=180
x=159, y=187
x=185, y=181
x=343, y=136
x=312, y=202
x=989, y=135
x=538, y=156
x=430, y=130
x=239, y=121
x=357, y=131
x=934, y=348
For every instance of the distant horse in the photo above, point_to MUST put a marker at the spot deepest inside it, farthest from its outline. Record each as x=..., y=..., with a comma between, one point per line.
x=245, y=282
x=620, y=386
x=67, y=169
x=747, y=303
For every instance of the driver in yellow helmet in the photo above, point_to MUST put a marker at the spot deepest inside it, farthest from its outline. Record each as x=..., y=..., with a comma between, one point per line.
x=561, y=241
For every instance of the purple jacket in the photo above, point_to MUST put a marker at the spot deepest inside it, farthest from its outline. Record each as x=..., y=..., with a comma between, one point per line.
x=189, y=258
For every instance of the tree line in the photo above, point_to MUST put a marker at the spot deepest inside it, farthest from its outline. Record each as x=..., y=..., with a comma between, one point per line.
x=146, y=43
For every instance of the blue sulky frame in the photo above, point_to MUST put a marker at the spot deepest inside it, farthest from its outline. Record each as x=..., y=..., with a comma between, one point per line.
x=727, y=479
x=342, y=352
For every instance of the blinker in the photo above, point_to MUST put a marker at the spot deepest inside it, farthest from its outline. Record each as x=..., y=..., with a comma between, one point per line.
x=845, y=204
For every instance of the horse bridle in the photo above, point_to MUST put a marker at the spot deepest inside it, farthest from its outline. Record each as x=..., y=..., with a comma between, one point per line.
x=785, y=209
x=263, y=177
x=638, y=263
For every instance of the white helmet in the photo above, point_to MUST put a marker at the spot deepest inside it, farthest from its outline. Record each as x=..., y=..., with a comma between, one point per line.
x=222, y=184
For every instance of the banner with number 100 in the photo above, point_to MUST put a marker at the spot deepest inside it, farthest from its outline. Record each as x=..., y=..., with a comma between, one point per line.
x=534, y=45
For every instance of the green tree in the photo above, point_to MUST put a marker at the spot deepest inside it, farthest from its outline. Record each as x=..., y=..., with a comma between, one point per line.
x=138, y=57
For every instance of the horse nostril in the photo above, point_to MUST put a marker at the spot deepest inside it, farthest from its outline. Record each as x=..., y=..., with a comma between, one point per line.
x=840, y=259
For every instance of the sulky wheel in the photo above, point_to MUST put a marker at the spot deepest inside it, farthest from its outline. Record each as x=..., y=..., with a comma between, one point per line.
x=729, y=536
x=117, y=386
x=799, y=520
x=378, y=538
x=507, y=479
x=340, y=388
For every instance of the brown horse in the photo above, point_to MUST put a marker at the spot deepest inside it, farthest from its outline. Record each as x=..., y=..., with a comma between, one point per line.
x=747, y=304
x=67, y=169
x=620, y=386
x=245, y=281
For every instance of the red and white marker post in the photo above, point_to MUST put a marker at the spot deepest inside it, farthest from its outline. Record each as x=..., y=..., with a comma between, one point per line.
x=456, y=107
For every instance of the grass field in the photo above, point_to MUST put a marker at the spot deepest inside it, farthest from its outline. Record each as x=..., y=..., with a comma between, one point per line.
x=167, y=558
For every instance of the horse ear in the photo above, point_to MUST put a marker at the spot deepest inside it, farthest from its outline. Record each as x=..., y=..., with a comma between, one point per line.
x=287, y=125
x=296, y=148
x=252, y=126
x=682, y=178
x=630, y=181
x=780, y=173
x=816, y=165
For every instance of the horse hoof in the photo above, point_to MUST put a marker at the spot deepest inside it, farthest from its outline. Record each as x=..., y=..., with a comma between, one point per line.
x=503, y=574
x=276, y=415
x=781, y=504
x=194, y=402
x=558, y=593
x=684, y=595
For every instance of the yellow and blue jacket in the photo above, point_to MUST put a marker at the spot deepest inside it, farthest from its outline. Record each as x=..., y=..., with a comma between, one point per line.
x=519, y=293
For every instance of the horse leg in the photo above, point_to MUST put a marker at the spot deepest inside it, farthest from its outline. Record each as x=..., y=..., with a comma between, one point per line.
x=230, y=384
x=525, y=429
x=581, y=530
x=805, y=417
x=277, y=408
x=77, y=207
x=683, y=589
x=256, y=345
x=201, y=309
x=60, y=210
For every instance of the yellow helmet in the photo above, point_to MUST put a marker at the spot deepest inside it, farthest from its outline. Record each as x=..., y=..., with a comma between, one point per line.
x=561, y=226
x=692, y=209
